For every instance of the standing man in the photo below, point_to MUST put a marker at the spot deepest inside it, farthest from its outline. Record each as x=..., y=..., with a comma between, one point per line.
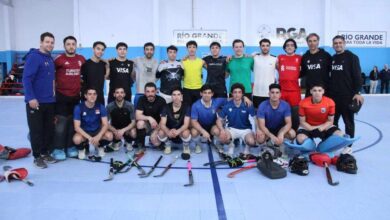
x=192, y=74
x=170, y=73
x=148, y=116
x=345, y=83
x=240, y=119
x=240, y=68
x=289, y=66
x=95, y=70
x=121, y=73
x=68, y=85
x=216, y=71
x=263, y=72
x=38, y=82
x=145, y=70
x=121, y=115
x=315, y=64
x=385, y=79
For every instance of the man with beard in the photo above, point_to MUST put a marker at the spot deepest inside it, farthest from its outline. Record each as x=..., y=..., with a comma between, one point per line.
x=68, y=85
x=95, y=70
x=121, y=73
x=315, y=64
x=145, y=70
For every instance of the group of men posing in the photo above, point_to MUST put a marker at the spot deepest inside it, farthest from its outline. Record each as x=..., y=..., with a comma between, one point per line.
x=192, y=114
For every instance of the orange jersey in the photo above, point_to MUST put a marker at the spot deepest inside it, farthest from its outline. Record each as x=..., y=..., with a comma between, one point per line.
x=317, y=113
x=289, y=68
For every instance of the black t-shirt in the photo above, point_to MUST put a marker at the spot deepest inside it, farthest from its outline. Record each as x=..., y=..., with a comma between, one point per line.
x=152, y=109
x=171, y=75
x=175, y=119
x=120, y=76
x=316, y=68
x=92, y=75
x=345, y=77
x=120, y=117
x=216, y=68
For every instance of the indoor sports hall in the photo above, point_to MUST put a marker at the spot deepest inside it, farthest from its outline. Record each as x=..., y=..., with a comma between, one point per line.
x=76, y=189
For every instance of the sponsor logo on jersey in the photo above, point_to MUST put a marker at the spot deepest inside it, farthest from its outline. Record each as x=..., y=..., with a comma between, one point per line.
x=243, y=111
x=314, y=66
x=72, y=72
x=122, y=70
x=337, y=67
x=66, y=63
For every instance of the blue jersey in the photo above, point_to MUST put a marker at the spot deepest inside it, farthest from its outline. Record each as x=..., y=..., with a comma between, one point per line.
x=206, y=116
x=274, y=118
x=90, y=118
x=237, y=117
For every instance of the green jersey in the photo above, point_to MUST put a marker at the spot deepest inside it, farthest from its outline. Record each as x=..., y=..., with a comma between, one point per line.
x=240, y=72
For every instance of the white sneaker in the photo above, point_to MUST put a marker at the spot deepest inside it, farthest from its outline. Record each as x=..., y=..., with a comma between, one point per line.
x=347, y=150
x=198, y=149
x=81, y=154
x=281, y=162
x=116, y=146
x=101, y=152
x=129, y=147
x=186, y=149
x=167, y=149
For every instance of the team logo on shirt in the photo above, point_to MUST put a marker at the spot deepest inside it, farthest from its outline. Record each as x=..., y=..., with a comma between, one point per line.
x=308, y=61
x=323, y=110
x=282, y=68
x=213, y=111
x=296, y=60
x=97, y=111
x=79, y=62
x=84, y=113
x=230, y=109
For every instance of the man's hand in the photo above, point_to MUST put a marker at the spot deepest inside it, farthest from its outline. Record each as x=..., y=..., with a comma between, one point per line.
x=33, y=103
x=359, y=99
x=206, y=135
x=94, y=140
x=153, y=123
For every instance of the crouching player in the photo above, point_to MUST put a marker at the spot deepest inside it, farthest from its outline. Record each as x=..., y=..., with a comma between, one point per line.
x=316, y=115
x=122, y=121
x=91, y=124
x=238, y=126
x=274, y=119
x=175, y=120
x=203, y=118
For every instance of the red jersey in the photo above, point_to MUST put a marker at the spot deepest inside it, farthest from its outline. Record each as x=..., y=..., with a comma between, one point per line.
x=317, y=113
x=68, y=74
x=289, y=68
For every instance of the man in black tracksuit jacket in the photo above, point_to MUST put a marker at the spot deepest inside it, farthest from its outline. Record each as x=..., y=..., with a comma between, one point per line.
x=345, y=83
x=315, y=64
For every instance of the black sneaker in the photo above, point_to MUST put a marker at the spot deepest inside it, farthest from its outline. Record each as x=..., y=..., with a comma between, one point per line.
x=40, y=163
x=48, y=159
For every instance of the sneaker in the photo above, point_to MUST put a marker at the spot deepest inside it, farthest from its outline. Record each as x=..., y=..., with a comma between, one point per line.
x=72, y=152
x=186, y=149
x=116, y=146
x=101, y=152
x=58, y=154
x=299, y=165
x=40, y=163
x=167, y=149
x=347, y=150
x=128, y=146
x=281, y=162
x=198, y=149
x=49, y=159
x=81, y=154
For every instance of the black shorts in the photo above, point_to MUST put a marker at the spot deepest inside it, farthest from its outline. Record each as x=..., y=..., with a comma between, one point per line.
x=65, y=104
x=318, y=134
x=275, y=131
x=257, y=100
x=93, y=133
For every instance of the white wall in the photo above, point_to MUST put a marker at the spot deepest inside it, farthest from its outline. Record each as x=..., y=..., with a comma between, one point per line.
x=138, y=21
x=33, y=17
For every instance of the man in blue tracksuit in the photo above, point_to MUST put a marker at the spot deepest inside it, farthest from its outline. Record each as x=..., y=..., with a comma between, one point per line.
x=38, y=82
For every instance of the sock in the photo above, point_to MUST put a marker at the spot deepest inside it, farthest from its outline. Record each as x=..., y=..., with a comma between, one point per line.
x=103, y=143
x=141, y=133
x=246, y=150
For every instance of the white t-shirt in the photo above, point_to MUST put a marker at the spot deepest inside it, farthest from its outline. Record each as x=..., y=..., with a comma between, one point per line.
x=264, y=70
x=145, y=70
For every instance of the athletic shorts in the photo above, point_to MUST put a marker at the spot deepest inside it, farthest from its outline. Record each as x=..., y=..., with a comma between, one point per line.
x=316, y=134
x=239, y=133
x=93, y=133
x=292, y=97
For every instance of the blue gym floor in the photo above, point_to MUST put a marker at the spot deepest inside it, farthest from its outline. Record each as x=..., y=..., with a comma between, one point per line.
x=74, y=189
